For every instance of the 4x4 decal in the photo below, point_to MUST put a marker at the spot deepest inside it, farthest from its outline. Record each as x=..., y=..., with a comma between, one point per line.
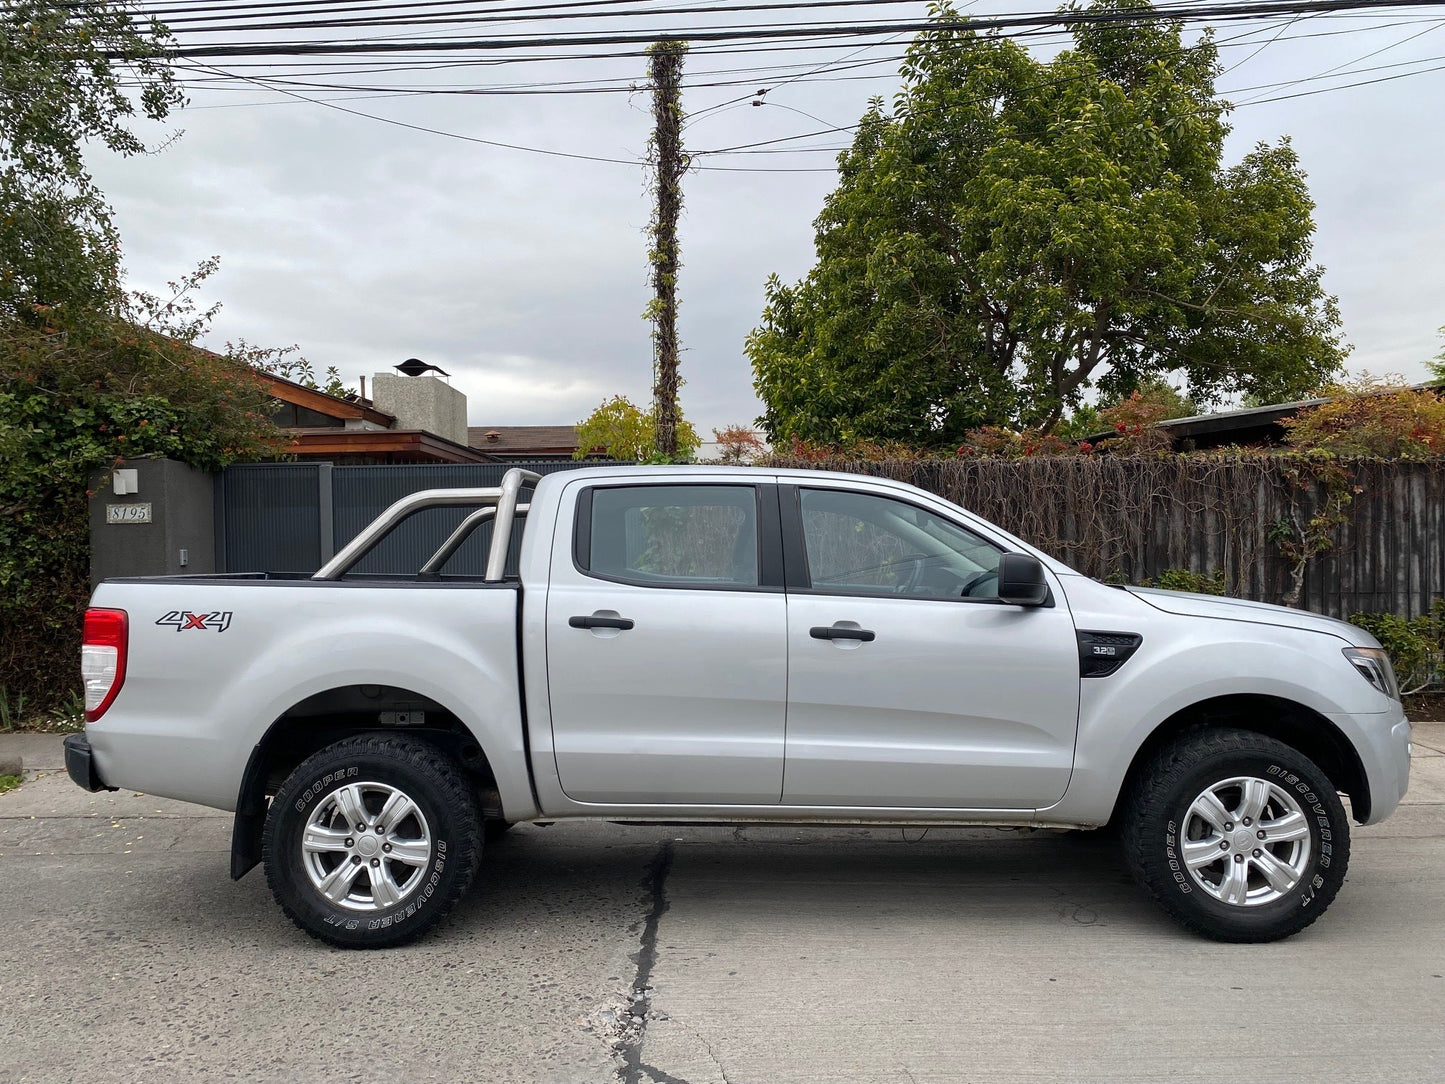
x=215, y=621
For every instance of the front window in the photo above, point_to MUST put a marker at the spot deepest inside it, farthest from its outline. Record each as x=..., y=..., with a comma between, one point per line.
x=862, y=544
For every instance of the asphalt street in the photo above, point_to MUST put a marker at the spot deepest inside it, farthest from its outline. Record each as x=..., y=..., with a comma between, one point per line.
x=597, y=953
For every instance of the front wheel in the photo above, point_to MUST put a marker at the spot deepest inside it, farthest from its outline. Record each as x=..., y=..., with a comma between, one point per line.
x=1239, y=836
x=371, y=841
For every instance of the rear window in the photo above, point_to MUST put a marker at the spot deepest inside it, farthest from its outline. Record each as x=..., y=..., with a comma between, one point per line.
x=684, y=536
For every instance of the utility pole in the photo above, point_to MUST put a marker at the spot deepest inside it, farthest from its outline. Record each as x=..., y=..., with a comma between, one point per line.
x=664, y=70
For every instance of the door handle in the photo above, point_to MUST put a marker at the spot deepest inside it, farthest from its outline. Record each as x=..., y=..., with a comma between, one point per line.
x=838, y=632
x=596, y=622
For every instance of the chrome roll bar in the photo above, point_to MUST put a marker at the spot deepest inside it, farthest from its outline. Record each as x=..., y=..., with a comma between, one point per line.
x=464, y=529
x=499, y=501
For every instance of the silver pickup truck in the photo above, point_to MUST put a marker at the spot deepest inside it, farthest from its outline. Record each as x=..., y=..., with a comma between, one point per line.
x=733, y=646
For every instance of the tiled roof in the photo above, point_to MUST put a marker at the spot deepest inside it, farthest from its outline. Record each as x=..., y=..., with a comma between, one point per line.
x=522, y=438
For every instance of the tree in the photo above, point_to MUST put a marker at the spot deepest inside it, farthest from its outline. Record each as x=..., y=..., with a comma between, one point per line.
x=625, y=431
x=70, y=74
x=1437, y=364
x=1018, y=231
x=738, y=444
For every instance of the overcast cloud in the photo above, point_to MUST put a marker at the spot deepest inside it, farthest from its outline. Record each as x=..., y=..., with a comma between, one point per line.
x=523, y=275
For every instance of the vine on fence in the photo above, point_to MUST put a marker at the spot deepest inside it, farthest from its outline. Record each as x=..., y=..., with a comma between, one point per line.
x=1302, y=536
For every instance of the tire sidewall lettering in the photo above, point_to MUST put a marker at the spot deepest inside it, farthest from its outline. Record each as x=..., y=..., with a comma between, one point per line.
x=317, y=789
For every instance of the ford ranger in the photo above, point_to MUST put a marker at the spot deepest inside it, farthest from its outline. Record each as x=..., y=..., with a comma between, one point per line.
x=733, y=646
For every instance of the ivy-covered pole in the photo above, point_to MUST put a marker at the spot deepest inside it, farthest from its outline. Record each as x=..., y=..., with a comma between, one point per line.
x=664, y=70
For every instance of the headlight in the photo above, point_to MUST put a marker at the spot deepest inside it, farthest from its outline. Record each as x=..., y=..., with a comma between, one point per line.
x=1373, y=665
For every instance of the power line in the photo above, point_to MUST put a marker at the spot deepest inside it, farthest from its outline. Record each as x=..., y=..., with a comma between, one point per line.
x=747, y=147
x=521, y=15
x=1347, y=86
x=1358, y=60
x=1074, y=17
x=1241, y=63
x=458, y=135
x=1030, y=25
x=225, y=77
x=354, y=65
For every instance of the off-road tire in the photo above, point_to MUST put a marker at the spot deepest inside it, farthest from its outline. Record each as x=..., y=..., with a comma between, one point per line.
x=444, y=798
x=1154, y=826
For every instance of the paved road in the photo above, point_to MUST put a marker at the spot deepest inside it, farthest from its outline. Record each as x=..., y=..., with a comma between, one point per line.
x=768, y=956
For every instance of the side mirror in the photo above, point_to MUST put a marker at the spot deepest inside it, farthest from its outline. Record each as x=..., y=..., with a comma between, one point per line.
x=1021, y=580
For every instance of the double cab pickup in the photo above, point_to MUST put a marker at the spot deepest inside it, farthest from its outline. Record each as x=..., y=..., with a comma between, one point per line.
x=734, y=645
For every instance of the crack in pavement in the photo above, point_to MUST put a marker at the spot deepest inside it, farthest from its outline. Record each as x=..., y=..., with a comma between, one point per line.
x=655, y=882
x=700, y=1037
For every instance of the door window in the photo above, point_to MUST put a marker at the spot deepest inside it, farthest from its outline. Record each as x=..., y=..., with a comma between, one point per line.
x=861, y=544
x=673, y=536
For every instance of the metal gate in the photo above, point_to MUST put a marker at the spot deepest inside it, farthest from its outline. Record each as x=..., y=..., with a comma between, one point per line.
x=293, y=517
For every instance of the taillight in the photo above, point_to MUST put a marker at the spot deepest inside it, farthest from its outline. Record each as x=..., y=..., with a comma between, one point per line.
x=102, y=659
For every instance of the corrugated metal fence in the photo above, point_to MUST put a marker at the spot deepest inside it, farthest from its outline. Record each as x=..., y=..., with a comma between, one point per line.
x=292, y=517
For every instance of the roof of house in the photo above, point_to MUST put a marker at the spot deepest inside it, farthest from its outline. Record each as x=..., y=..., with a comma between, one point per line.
x=1245, y=425
x=1234, y=421
x=377, y=439
x=523, y=438
x=332, y=406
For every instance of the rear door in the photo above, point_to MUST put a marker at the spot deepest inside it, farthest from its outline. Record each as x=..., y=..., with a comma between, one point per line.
x=667, y=645
x=910, y=683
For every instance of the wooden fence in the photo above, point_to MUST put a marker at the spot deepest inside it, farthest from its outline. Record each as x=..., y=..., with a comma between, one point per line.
x=1135, y=517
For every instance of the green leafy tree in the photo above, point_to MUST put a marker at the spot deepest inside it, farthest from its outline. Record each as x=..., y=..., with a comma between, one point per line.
x=625, y=431
x=1017, y=231
x=1437, y=365
x=70, y=75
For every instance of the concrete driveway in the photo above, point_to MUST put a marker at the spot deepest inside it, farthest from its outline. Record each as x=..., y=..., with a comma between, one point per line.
x=767, y=956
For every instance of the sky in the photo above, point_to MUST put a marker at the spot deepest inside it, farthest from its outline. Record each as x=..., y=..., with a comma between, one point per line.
x=523, y=275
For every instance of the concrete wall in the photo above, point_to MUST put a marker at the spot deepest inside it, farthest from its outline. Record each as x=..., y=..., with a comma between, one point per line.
x=182, y=518
x=422, y=402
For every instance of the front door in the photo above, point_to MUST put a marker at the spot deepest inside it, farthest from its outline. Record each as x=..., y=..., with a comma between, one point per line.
x=909, y=683
x=667, y=646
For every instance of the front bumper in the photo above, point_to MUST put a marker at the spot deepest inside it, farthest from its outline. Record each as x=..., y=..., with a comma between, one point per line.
x=1382, y=742
x=80, y=765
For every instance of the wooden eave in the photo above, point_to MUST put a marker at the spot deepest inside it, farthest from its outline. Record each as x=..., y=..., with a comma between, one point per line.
x=332, y=407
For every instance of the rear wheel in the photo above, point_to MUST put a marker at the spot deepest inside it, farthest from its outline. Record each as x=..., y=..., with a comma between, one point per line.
x=1239, y=836
x=371, y=841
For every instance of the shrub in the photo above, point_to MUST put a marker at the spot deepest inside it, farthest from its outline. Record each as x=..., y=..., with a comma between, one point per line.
x=1369, y=417
x=77, y=396
x=995, y=440
x=1133, y=420
x=1183, y=579
x=1416, y=646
